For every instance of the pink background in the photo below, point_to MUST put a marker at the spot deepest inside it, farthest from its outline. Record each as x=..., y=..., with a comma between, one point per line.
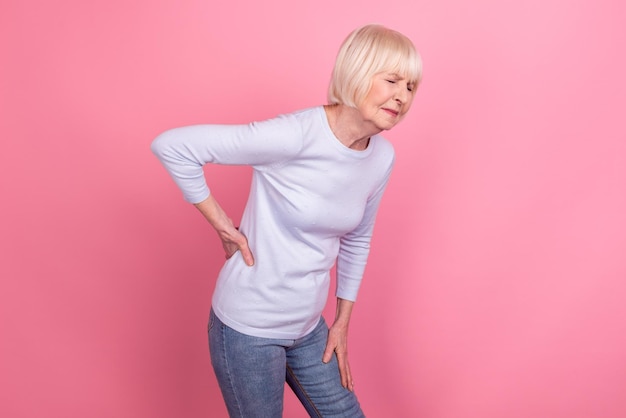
x=496, y=285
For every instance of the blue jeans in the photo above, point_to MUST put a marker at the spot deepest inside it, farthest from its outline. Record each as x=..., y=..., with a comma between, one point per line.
x=252, y=371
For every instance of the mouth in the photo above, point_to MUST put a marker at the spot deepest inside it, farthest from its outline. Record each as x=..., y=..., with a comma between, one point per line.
x=392, y=112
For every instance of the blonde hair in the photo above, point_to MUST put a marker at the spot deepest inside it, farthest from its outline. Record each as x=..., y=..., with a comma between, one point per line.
x=369, y=50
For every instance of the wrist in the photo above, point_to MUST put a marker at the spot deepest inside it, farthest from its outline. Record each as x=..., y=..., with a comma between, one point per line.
x=214, y=213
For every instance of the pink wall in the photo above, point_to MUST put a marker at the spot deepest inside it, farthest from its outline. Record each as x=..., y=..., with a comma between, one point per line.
x=496, y=284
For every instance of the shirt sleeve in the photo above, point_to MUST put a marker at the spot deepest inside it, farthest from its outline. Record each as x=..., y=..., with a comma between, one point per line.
x=183, y=151
x=355, y=246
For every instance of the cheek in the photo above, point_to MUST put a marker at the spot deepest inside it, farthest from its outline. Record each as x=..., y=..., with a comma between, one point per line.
x=408, y=104
x=380, y=93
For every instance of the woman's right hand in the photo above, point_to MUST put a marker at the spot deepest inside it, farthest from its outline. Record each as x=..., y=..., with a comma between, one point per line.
x=232, y=239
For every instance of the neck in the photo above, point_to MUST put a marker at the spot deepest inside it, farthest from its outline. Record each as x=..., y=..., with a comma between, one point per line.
x=349, y=127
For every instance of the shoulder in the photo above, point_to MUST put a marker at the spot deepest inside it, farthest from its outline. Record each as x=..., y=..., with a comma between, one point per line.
x=308, y=113
x=295, y=119
x=294, y=123
x=293, y=128
x=311, y=118
x=383, y=149
x=285, y=130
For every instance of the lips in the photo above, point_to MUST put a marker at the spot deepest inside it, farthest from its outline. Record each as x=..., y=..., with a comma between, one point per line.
x=391, y=111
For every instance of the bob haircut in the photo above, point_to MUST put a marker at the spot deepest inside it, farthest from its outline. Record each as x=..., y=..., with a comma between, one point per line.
x=367, y=51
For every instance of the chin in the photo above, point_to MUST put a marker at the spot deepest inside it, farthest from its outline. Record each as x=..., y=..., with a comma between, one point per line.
x=387, y=126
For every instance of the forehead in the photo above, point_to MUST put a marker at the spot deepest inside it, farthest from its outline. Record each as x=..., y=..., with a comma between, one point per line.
x=403, y=63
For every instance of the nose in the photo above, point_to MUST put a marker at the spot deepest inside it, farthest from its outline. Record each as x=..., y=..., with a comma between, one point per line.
x=402, y=94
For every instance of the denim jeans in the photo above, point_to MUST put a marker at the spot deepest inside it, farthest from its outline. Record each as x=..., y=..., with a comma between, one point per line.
x=252, y=371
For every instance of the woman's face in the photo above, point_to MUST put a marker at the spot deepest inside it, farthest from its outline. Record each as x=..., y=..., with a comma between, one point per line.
x=388, y=100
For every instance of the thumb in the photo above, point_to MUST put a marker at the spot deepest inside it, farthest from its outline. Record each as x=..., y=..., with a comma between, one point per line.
x=246, y=254
x=328, y=353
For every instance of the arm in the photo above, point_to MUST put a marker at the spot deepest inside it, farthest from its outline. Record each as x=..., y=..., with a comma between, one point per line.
x=183, y=152
x=353, y=253
x=354, y=246
x=338, y=342
x=232, y=239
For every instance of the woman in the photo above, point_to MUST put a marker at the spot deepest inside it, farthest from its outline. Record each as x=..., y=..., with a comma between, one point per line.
x=318, y=178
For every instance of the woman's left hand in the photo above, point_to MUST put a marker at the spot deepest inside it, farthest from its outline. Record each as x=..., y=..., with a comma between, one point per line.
x=338, y=343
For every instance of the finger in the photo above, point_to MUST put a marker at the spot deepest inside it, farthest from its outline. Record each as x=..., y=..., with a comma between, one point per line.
x=344, y=370
x=245, y=249
x=229, y=249
x=247, y=255
x=238, y=242
x=328, y=352
x=349, y=381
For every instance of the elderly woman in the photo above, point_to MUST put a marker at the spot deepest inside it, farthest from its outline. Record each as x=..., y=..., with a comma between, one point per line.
x=318, y=178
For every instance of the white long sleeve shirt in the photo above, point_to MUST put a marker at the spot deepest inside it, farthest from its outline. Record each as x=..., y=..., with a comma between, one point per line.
x=313, y=201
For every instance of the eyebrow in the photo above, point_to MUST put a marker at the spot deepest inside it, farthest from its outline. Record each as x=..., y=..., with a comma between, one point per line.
x=400, y=77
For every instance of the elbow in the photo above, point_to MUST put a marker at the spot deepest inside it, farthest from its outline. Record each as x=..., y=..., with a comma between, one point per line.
x=161, y=144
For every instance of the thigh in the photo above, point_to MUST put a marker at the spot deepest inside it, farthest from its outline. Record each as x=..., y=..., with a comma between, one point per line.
x=250, y=371
x=316, y=384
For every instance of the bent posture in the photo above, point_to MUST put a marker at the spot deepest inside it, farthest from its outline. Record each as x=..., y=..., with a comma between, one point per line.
x=319, y=175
